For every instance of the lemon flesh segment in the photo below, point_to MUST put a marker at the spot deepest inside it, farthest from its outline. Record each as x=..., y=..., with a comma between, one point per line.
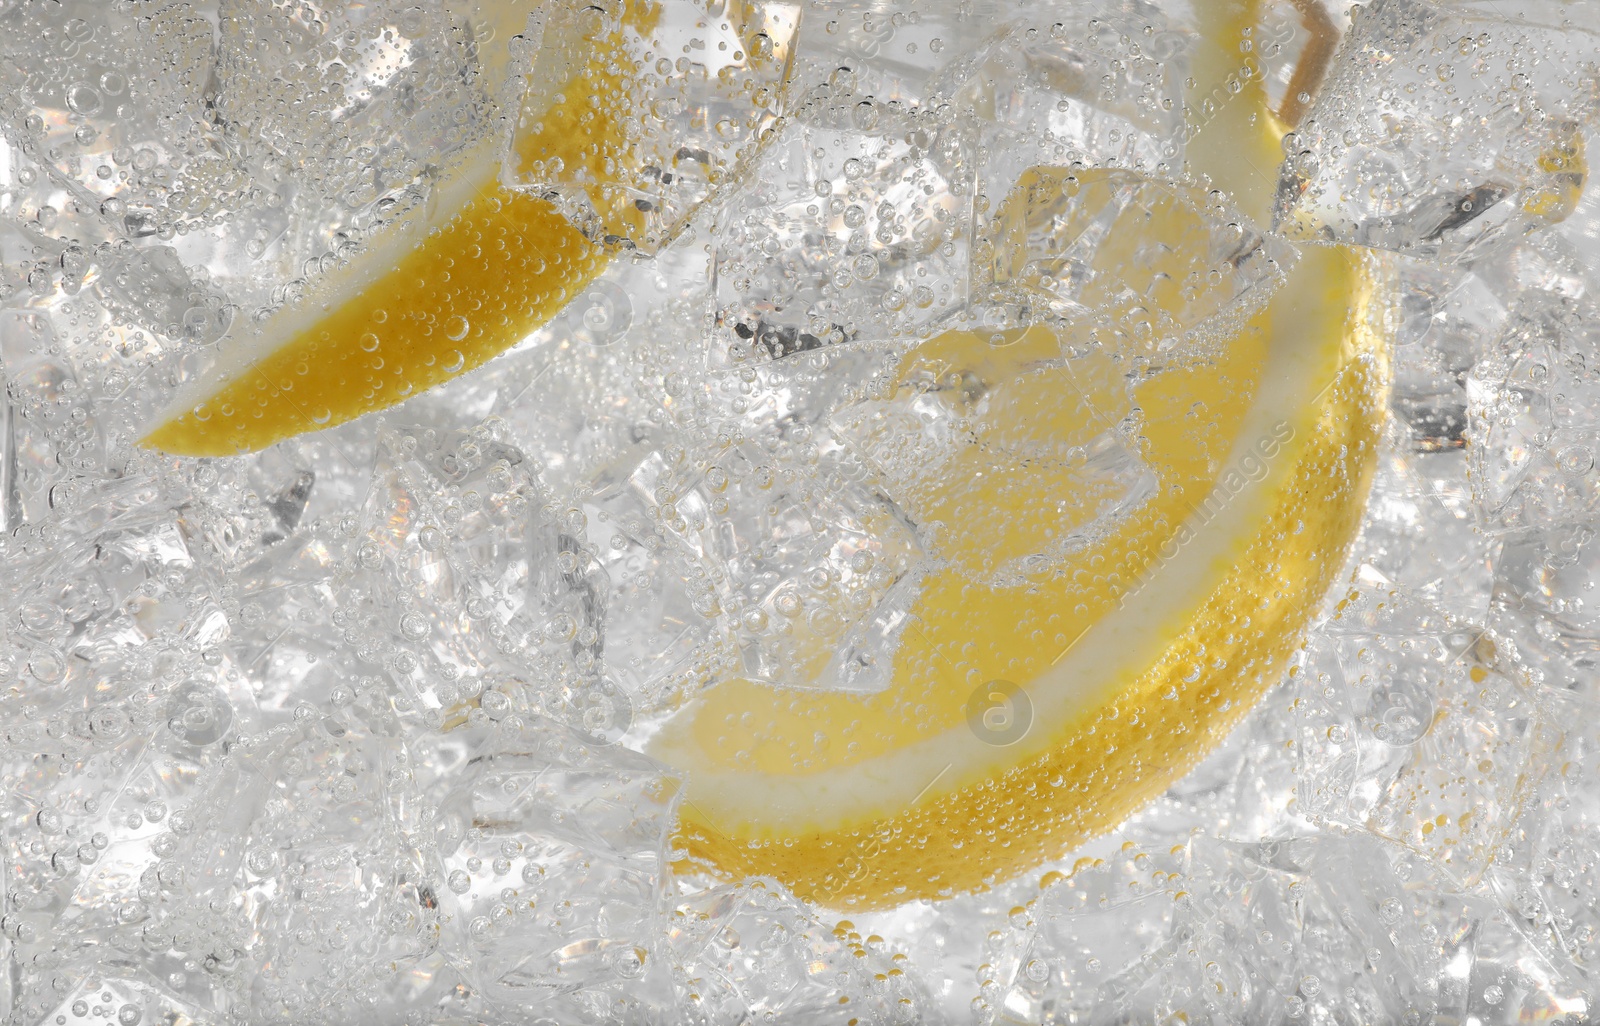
x=1135, y=660
x=405, y=315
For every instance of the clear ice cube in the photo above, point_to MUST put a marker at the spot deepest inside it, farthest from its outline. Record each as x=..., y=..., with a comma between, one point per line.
x=1097, y=83
x=1542, y=583
x=813, y=579
x=1447, y=319
x=660, y=643
x=1444, y=129
x=1416, y=729
x=404, y=86
x=697, y=88
x=340, y=895
x=841, y=236
x=1544, y=874
x=1098, y=944
x=1005, y=454
x=1142, y=265
x=856, y=226
x=117, y=111
x=752, y=949
x=553, y=860
x=115, y=991
x=1422, y=532
x=1534, y=415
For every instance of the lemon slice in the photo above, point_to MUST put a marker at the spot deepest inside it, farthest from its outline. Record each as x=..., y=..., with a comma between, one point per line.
x=1023, y=718
x=405, y=315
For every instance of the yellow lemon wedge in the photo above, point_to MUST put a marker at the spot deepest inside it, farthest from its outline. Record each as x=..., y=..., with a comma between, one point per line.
x=1027, y=711
x=404, y=315
x=1024, y=717
x=1022, y=720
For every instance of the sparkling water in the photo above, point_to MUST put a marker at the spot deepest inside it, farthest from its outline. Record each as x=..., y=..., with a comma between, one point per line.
x=350, y=730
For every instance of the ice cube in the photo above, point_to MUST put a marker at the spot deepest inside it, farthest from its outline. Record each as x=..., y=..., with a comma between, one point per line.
x=1006, y=455
x=698, y=90
x=854, y=225
x=1061, y=81
x=116, y=109
x=405, y=86
x=657, y=643
x=812, y=577
x=1309, y=913
x=671, y=618
x=1448, y=318
x=237, y=531
x=1418, y=729
x=1542, y=583
x=752, y=949
x=1443, y=130
x=857, y=226
x=576, y=395
x=841, y=236
x=1097, y=83
x=1421, y=529
x=1534, y=413
x=334, y=880
x=525, y=543
x=103, y=649
x=1545, y=871
x=895, y=49
x=1103, y=935
x=464, y=563
x=149, y=287
x=1281, y=929
x=115, y=990
x=1424, y=525
x=1142, y=264
x=53, y=816
x=137, y=845
x=552, y=857
x=1393, y=651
